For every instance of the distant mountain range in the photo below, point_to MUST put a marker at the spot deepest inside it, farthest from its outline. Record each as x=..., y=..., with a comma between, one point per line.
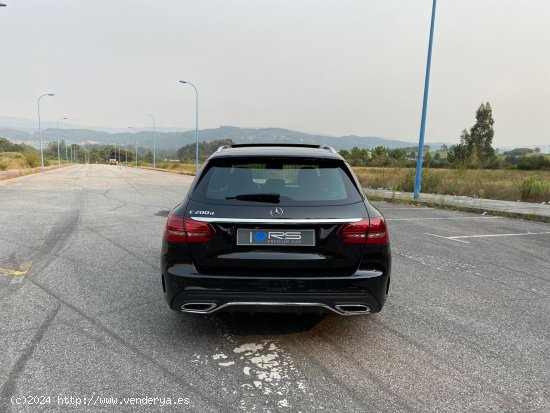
x=168, y=140
x=24, y=131
x=29, y=125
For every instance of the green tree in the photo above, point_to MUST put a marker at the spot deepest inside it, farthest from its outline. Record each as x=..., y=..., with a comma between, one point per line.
x=358, y=156
x=476, y=145
x=427, y=160
x=482, y=133
x=379, y=153
x=187, y=153
x=398, y=154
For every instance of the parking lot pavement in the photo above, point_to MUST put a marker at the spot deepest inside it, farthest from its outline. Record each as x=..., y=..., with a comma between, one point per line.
x=82, y=314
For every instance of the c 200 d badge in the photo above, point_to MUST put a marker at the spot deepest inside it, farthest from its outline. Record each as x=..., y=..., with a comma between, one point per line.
x=201, y=212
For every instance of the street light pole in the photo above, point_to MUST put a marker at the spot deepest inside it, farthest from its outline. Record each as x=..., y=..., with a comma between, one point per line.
x=154, y=142
x=66, y=152
x=131, y=127
x=40, y=130
x=196, y=125
x=418, y=178
x=57, y=128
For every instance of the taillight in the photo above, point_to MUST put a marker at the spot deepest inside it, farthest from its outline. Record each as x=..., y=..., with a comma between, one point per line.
x=378, y=232
x=371, y=231
x=182, y=229
x=355, y=233
x=197, y=231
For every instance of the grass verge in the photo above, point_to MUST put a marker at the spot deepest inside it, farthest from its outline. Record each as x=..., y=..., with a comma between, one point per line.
x=505, y=185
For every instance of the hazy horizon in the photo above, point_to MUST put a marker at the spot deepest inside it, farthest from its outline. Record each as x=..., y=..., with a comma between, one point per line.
x=333, y=68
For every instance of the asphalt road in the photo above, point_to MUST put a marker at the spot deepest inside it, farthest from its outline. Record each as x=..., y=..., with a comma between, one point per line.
x=82, y=313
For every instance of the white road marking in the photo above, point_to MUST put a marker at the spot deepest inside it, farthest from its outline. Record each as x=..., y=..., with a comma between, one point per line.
x=501, y=235
x=441, y=236
x=460, y=238
x=439, y=218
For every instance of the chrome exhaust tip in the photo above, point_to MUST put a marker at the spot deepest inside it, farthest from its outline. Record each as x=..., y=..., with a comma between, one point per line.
x=198, y=308
x=352, y=309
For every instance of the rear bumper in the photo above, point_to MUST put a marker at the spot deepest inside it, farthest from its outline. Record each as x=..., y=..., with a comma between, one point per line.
x=184, y=285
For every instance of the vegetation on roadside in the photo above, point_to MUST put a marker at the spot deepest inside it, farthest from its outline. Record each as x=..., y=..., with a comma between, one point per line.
x=474, y=151
x=187, y=153
x=8, y=146
x=17, y=156
x=20, y=160
x=511, y=185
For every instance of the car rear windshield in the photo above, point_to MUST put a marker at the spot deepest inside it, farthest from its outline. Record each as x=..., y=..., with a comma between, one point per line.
x=298, y=182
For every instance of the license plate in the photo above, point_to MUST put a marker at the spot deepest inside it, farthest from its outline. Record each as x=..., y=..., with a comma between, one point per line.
x=279, y=237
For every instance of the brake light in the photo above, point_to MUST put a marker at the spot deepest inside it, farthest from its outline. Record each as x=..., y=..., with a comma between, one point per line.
x=371, y=231
x=183, y=229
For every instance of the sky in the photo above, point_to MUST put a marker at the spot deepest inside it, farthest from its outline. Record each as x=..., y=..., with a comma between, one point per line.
x=337, y=67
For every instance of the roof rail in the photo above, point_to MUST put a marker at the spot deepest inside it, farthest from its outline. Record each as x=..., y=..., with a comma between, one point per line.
x=292, y=145
x=299, y=145
x=280, y=145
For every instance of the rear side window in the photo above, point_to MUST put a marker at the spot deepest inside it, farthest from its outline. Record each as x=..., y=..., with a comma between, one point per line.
x=298, y=181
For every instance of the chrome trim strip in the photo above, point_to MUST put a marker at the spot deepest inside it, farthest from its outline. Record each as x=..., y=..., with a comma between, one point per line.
x=272, y=304
x=281, y=221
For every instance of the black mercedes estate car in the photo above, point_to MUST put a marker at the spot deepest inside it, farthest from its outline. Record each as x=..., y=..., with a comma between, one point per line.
x=268, y=228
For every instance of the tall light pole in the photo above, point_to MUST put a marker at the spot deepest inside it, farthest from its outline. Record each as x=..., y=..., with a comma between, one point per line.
x=418, y=178
x=40, y=130
x=154, y=143
x=196, y=125
x=66, y=152
x=57, y=127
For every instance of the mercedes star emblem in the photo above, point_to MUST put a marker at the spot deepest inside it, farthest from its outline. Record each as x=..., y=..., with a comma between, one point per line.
x=276, y=212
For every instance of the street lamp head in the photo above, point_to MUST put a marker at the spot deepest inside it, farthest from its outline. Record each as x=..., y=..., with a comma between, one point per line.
x=65, y=118
x=183, y=81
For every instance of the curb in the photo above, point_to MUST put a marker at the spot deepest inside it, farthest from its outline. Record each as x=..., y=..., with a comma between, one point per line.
x=441, y=203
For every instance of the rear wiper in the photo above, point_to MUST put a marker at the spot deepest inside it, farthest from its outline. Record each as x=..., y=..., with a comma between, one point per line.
x=273, y=197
